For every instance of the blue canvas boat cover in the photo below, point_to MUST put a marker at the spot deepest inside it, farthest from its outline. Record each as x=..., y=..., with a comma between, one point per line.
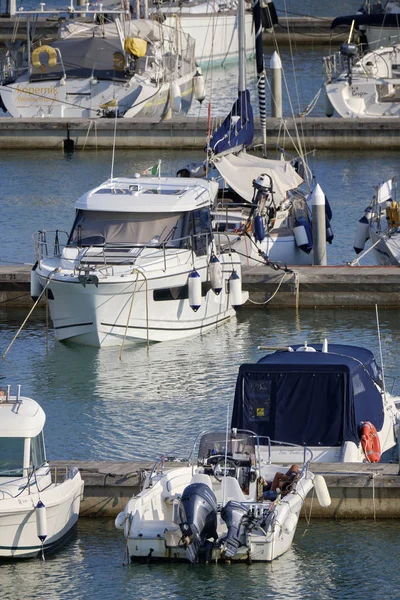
x=237, y=130
x=310, y=398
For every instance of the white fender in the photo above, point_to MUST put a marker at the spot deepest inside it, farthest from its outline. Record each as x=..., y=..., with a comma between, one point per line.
x=300, y=235
x=322, y=492
x=41, y=521
x=215, y=274
x=175, y=97
x=199, y=86
x=194, y=284
x=235, y=290
x=36, y=288
x=361, y=235
x=120, y=520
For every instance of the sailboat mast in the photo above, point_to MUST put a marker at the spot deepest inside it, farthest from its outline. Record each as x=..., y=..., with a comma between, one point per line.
x=260, y=72
x=242, y=46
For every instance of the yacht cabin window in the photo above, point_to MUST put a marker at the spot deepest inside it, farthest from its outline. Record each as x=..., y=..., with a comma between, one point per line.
x=96, y=228
x=11, y=456
x=38, y=453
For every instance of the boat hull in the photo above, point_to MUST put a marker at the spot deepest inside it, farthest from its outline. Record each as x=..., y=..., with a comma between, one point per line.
x=18, y=519
x=111, y=312
x=216, y=36
x=387, y=249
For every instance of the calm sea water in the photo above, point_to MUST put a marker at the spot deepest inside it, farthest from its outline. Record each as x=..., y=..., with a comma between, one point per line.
x=99, y=407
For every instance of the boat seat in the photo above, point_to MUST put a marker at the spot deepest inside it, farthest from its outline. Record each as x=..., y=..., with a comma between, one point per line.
x=230, y=490
x=202, y=478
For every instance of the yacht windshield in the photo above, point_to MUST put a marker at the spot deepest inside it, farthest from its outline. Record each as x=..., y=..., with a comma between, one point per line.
x=93, y=228
x=11, y=456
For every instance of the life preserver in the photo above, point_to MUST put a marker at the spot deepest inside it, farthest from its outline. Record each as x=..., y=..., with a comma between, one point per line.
x=51, y=53
x=370, y=442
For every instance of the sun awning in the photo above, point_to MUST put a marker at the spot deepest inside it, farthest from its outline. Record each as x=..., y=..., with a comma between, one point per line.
x=240, y=170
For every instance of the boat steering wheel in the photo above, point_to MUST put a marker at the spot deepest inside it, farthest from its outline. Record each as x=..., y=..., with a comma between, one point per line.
x=223, y=468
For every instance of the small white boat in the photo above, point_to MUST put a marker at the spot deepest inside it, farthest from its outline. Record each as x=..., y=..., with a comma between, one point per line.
x=141, y=263
x=380, y=224
x=125, y=67
x=363, y=86
x=225, y=506
x=332, y=399
x=37, y=510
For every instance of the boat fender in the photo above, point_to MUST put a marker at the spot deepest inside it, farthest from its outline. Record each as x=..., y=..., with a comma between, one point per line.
x=302, y=234
x=361, y=235
x=258, y=228
x=194, y=285
x=215, y=274
x=175, y=97
x=370, y=442
x=322, y=492
x=120, y=520
x=199, y=87
x=329, y=232
x=235, y=290
x=41, y=523
x=290, y=523
x=36, y=287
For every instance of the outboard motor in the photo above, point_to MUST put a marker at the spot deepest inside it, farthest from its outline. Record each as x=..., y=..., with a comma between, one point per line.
x=349, y=51
x=263, y=204
x=197, y=518
x=235, y=516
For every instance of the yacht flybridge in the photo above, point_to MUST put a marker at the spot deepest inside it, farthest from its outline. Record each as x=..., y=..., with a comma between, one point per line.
x=140, y=263
x=37, y=511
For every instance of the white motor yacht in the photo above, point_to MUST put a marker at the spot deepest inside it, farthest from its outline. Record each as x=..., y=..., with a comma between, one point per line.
x=225, y=505
x=38, y=509
x=140, y=263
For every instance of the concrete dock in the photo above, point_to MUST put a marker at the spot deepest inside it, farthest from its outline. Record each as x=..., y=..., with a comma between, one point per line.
x=302, y=30
x=358, y=490
x=320, y=133
x=302, y=287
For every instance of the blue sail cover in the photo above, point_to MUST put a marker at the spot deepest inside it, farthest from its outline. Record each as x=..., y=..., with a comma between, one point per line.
x=310, y=398
x=237, y=130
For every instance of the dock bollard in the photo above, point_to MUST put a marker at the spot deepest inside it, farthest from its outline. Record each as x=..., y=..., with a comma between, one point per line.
x=318, y=225
x=275, y=65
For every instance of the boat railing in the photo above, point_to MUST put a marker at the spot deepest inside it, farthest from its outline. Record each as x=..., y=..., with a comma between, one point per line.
x=306, y=451
x=334, y=65
x=105, y=256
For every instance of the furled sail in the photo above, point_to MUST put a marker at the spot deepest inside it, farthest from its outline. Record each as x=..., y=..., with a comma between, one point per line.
x=237, y=130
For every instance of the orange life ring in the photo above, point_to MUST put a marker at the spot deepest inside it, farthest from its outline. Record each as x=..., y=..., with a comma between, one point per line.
x=370, y=442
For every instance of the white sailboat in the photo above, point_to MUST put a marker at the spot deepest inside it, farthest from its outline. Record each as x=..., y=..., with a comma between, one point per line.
x=365, y=85
x=263, y=209
x=125, y=67
x=380, y=224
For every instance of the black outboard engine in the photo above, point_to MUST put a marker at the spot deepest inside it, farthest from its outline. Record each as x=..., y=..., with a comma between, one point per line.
x=197, y=518
x=349, y=51
x=237, y=520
